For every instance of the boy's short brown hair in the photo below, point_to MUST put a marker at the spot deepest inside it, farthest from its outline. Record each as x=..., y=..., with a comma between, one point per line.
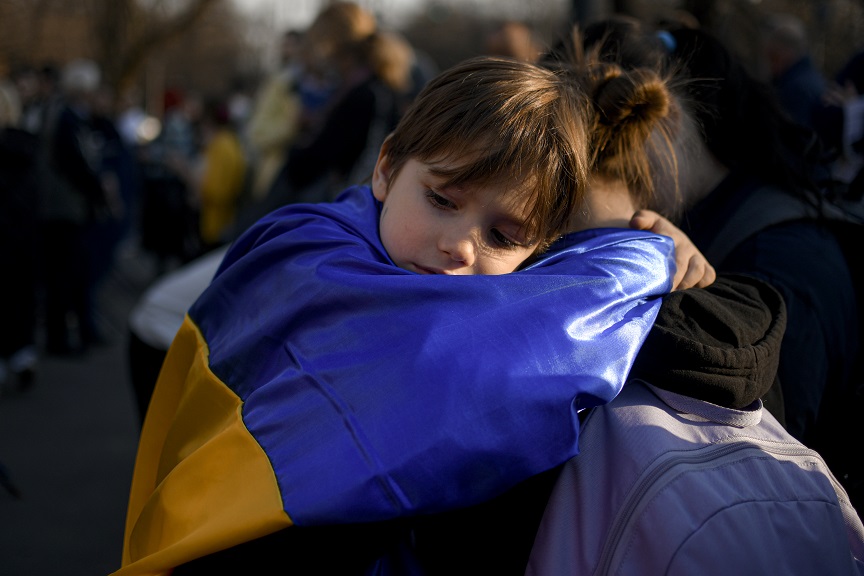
x=501, y=121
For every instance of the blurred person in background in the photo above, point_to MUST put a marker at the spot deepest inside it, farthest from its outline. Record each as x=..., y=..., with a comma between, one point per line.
x=39, y=89
x=336, y=24
x=514, y=39
x=117, y=168
x=18, y=240
x=375, y=75
x=72, y=200
x=352, y=85
x=221, y=176
x=130, y=118
x=168, y=221
x=794, y=77
x=846, y=94
x=275, y=117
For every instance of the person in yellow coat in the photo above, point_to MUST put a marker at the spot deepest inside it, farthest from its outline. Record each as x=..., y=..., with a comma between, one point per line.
x=222, y=177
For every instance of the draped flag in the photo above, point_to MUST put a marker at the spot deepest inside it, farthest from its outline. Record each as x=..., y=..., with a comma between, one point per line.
x=314, y=382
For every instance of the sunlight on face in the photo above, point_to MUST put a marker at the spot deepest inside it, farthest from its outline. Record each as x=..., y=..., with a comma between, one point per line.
x=428, y=229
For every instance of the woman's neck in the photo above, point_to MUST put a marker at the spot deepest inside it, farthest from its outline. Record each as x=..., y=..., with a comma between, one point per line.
x=607, y=203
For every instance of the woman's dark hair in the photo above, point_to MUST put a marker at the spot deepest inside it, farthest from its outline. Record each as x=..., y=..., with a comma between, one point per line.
x=635, y=112
x=743, y=124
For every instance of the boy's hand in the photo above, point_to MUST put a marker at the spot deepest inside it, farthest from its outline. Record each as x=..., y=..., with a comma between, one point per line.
x=693, y=269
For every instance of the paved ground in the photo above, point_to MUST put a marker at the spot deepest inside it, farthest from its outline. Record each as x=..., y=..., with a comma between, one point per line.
x=69, y=444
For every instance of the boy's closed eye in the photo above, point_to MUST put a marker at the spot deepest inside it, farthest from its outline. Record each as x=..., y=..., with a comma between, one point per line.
x=439, y=201
x=502, y=240
x=499, y=238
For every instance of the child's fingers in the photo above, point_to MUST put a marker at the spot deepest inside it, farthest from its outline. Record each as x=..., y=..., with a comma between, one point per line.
x=708, y=277
x=692, y=268
x=644, y=220
x=697, y=273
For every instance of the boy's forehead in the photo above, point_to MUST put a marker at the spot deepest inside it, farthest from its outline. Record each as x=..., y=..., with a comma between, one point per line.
x=503, y=194
x=455, y=156
x=477, y=164
x=475, y=172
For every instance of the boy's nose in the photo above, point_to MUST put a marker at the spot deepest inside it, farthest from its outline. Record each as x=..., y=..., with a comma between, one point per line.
x=460, y=247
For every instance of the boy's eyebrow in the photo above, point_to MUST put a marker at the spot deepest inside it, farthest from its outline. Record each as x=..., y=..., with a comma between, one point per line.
x=440, y=171
x=430, y=170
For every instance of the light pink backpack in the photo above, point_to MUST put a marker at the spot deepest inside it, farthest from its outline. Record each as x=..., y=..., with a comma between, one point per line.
x=670, y=485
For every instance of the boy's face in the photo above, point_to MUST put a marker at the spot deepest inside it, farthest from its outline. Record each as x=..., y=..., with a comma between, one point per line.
x=433, y=230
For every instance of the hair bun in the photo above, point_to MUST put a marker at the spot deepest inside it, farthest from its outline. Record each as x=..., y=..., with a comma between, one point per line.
x=639, y=96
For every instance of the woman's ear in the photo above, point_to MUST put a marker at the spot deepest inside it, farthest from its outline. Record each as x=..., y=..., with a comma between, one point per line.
x=381, y=173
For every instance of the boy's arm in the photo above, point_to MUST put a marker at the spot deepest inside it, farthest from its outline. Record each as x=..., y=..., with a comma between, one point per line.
x=692, y=268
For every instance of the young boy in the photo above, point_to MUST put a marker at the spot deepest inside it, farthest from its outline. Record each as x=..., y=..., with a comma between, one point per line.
x=332, y=372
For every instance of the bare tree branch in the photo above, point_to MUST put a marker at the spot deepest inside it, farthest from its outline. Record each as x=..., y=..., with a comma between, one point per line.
x=157, y=32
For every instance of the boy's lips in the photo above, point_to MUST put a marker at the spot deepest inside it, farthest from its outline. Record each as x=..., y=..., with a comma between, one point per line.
x=425, y=270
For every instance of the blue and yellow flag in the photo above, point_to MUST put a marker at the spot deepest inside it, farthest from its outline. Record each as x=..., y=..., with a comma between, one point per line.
x=314, y=382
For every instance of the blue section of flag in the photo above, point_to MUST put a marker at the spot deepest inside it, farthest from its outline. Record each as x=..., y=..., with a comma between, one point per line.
x=379, y=393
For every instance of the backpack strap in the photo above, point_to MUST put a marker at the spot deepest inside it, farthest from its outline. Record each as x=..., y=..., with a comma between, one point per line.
x=764, y=207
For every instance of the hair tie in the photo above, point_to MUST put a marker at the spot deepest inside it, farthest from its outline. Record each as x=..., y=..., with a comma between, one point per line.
x=668, y=40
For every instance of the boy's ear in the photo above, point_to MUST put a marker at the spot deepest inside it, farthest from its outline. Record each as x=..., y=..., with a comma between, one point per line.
x=381, y=173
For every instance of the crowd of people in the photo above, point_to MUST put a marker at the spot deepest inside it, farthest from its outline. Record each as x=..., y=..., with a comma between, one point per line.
x=86, y=170
x=68, y=185
x=650, y=361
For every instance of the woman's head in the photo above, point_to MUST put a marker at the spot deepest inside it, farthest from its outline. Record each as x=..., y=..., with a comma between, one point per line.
x=387, y=55
x=637, y=125
x=337, y=25
x=734, y=122
x=391, y=57
x=641, y=122
x=500, y=122
x=742, y=122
